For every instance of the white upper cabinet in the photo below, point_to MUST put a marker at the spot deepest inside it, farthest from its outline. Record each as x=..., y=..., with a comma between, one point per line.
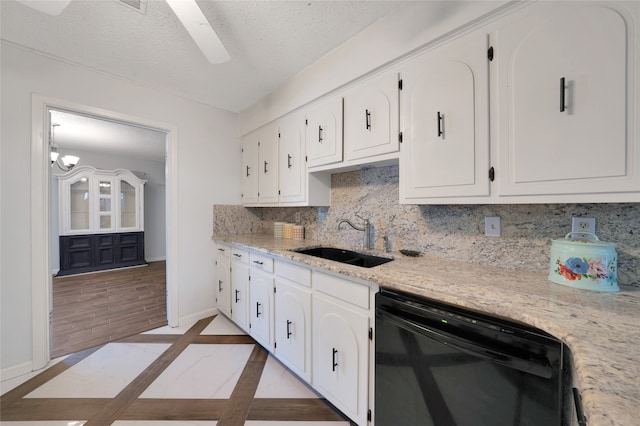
x=445, y=124
x=371, y=117
x=96, y=201
x=250, y=146
x=268, y=165
x=292, y=167
x=566, y=88
x=323, y=132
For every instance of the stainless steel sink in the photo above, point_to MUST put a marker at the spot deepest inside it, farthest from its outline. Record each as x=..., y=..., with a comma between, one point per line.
x=344, y=256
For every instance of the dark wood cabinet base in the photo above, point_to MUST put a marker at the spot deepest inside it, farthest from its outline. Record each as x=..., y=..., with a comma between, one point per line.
x=99, y=252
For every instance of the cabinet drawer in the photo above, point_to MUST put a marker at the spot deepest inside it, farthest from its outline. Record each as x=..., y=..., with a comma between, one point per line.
x=348, y=291
x=223, y=249
x=295, y=273
x=262, y=262
x=240, y=255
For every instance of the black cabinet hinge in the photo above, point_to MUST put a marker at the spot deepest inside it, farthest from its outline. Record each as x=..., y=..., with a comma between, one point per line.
x=400, y=137
x=306, y=122
x=274, y=289
x=278, y=192
x=306, y=159
x=492, y=174
x=370, y=333
x=278, y=135
x=490, y=53
x=368, y=415
x=275, y=345
x=400, y=84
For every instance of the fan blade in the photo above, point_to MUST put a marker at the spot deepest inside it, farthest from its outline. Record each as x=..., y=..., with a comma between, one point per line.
x=200, y=30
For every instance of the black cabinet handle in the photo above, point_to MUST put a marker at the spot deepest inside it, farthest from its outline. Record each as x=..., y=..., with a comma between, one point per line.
x=265, y=166
x=289, y=329
x=440, y=124
x=335, y=362
x=247, y=170
x=320, y=135
x=221, y=249
x=237, y=296
x=289, y=161
x=237, y=255
x=258, y=313
x=257, y=262
x=367, y=118
x=562, y=90
x=219, y=285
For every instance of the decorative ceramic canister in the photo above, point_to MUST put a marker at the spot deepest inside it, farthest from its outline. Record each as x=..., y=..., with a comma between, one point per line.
x=278, y=229
x=288, y=230
x=589, y=264
x=298, y=232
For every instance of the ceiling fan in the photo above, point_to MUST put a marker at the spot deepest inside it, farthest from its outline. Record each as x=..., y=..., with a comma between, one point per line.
x=187, y=11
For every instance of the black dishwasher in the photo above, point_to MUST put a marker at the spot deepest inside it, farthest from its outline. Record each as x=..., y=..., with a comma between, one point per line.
x=445, y=366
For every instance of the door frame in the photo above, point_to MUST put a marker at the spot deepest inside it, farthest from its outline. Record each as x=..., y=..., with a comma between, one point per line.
x=41, y=279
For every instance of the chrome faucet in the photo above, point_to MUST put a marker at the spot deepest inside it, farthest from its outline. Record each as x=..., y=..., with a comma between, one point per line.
x=366, y=228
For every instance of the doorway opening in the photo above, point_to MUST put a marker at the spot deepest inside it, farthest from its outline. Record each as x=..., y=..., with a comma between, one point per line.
x=42, y=217
x=113, y=215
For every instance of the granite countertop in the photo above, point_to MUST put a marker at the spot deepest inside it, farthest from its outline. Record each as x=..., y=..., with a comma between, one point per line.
x=601, y=329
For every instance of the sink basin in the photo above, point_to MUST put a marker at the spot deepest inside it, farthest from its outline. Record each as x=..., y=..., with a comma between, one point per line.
x=344, y=256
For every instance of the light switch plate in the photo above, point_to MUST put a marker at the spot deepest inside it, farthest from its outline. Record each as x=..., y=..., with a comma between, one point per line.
x=492, y=226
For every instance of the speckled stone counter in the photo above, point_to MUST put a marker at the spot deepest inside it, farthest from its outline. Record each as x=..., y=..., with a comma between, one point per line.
x=601, y=329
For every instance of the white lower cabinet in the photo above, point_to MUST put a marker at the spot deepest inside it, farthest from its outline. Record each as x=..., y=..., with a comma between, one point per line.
x=341, y=344
x=261, y=299
x=315, y=323
x=223, y=279
x=240, y=288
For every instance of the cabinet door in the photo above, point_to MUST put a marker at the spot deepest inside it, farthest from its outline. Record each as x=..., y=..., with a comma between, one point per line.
x=323, y=132
x=268, y=165
x=260, y=308
x=240, y=294
x=341, y=354
x=292, y=166
x=293, y=327
x=75, y=201
x=250, y=169
x=371, y=117
x=565, y=117
x=223, y=285
x=445, y=150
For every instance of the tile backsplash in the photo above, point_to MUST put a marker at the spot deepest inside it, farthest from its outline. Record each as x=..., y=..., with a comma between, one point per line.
x=449, y=231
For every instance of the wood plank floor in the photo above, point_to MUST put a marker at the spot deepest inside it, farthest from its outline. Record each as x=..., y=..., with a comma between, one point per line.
x=128, y=405
x=97, y=308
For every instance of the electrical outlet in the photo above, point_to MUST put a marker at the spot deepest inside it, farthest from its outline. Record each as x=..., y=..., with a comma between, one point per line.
x=298, y=218
x=492, y=226
x=583, y=224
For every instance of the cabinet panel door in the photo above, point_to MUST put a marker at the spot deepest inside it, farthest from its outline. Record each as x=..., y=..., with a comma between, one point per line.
x=445, y=150
x=240, y=294
x=293, y=327
x=371, y=117
x=250, y=169
x=291, y=163
x=341, y=353
x=323, y=132
x=260, y=303
x=223, y=285
x=268, y=165
x=564, y=122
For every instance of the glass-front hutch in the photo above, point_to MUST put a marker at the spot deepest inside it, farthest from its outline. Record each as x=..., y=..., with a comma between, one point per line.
x=101, y=220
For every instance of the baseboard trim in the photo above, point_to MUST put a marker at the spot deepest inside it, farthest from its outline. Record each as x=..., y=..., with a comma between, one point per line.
x=16, y=371
x=157, y=259
x=189, y=319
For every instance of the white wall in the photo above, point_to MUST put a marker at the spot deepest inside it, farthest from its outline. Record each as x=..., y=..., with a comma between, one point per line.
x=207, y=155
x=408, y=29
x=154, y=199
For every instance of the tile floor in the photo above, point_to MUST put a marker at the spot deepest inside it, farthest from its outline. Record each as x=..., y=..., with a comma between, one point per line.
x=208, y=374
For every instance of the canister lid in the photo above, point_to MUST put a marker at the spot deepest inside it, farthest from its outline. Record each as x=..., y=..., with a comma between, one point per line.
x=592, y=240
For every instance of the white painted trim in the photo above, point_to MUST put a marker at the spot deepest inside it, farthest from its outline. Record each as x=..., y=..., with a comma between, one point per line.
x=156, y=259
x=190, y=319
x=16, y=371
x=40, y=215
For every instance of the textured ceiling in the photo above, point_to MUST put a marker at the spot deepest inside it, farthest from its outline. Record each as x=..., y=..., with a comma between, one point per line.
x=269, y=41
